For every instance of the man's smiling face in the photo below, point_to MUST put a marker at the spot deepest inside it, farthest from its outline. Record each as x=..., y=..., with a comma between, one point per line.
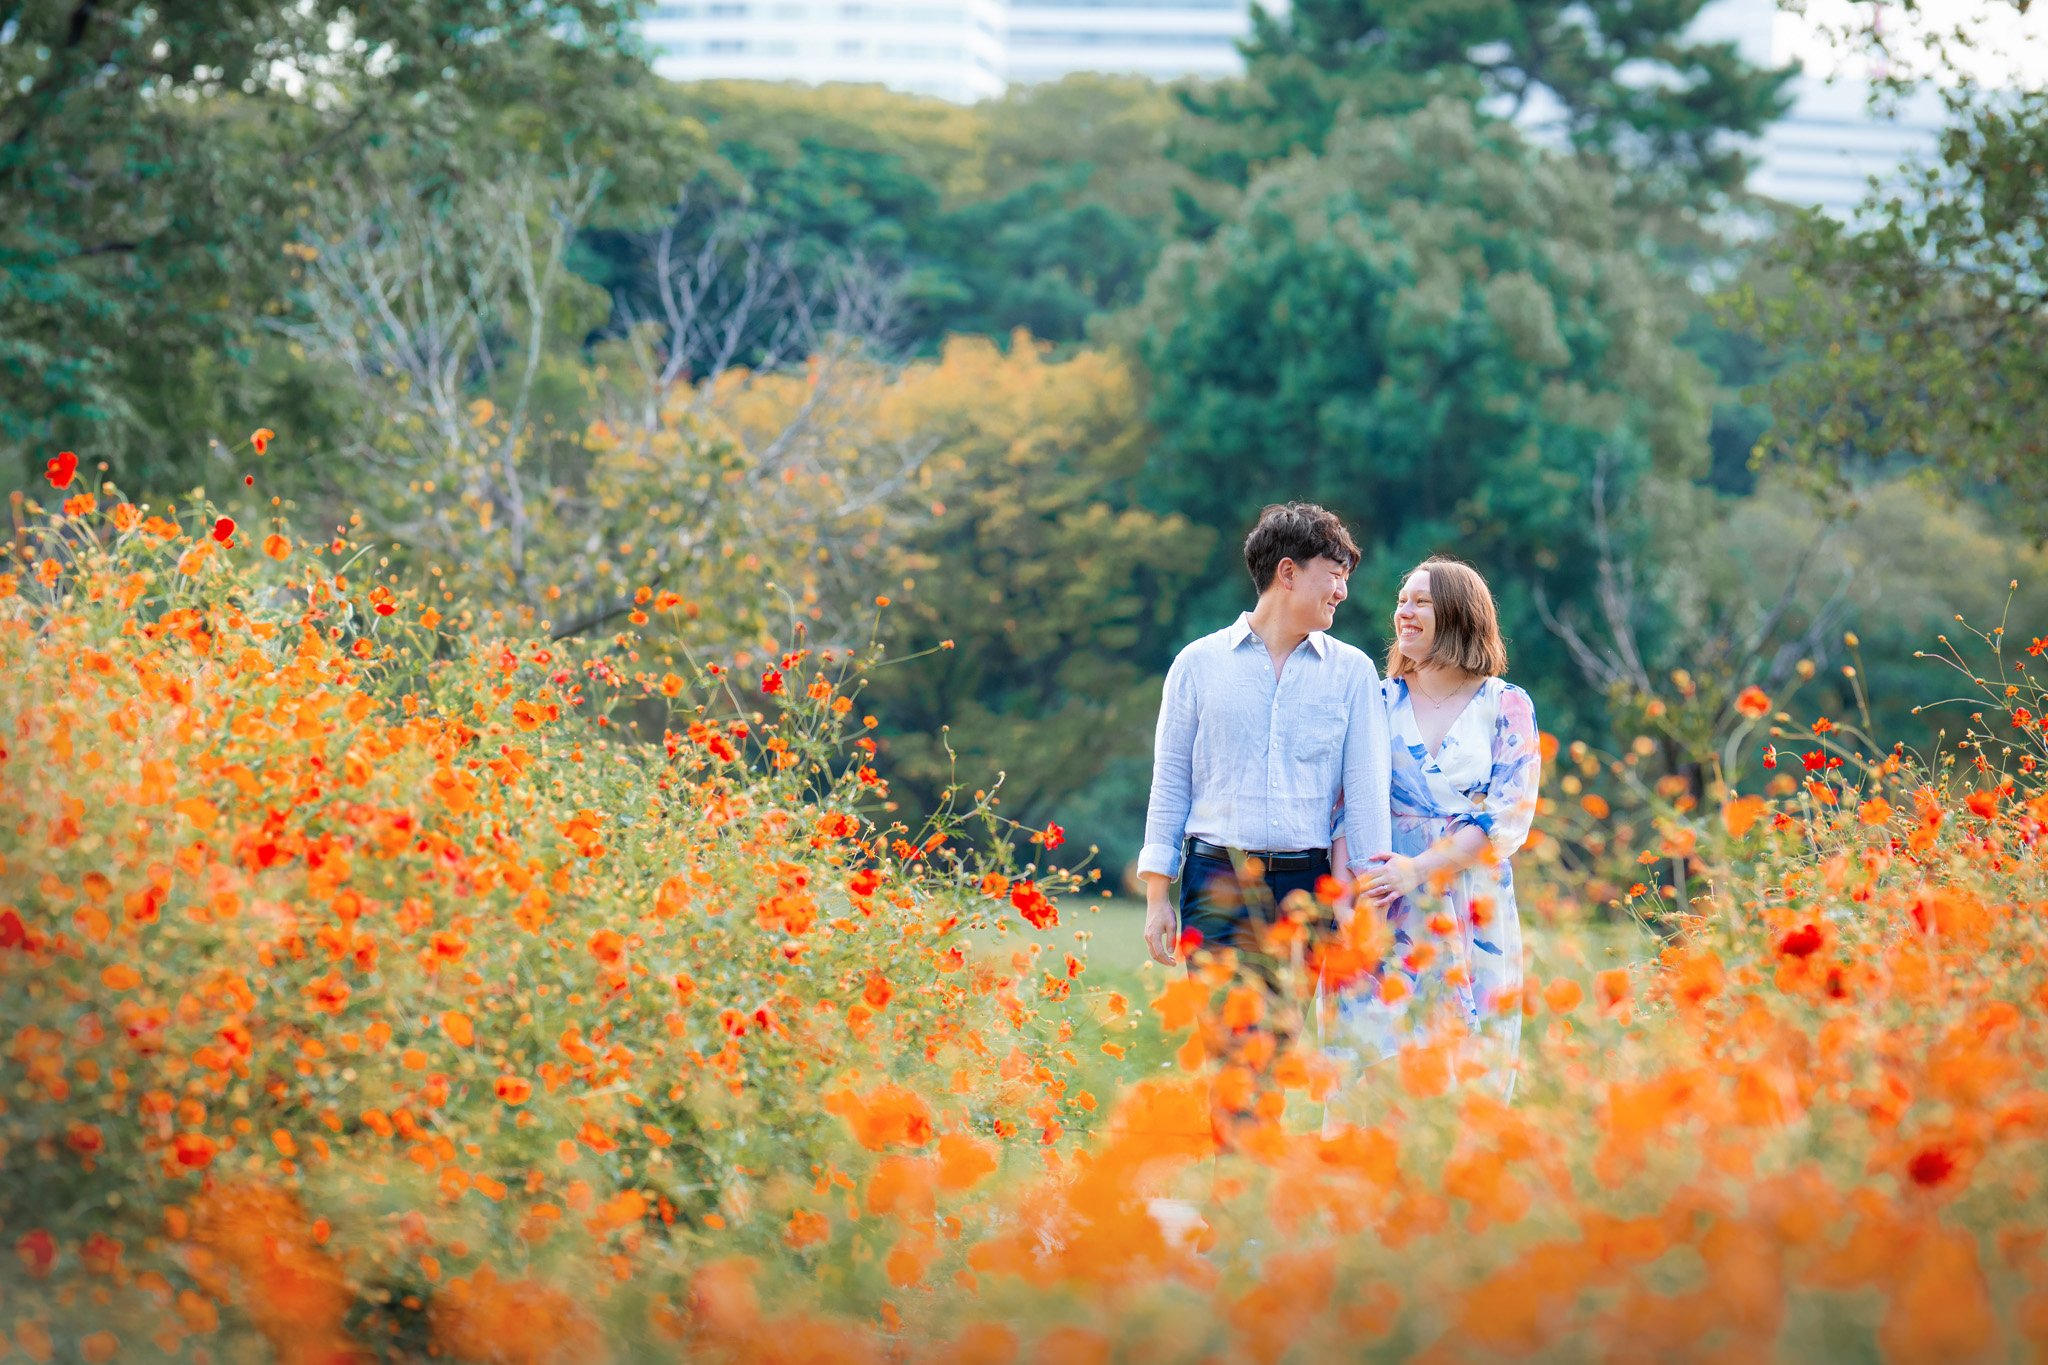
x=1318, y=588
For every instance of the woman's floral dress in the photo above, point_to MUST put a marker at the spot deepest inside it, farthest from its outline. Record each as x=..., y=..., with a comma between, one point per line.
x=1484, y=775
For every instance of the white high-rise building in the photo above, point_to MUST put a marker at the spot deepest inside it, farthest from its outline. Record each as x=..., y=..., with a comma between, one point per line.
x=1825, y=150
x=1163, y=39
x=953, y=49
x=1822, y=153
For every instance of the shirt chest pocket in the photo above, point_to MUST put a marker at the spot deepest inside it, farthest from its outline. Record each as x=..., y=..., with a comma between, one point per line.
x=1315, y=733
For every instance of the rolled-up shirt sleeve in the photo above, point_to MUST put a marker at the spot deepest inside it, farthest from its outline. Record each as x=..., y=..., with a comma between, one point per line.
x=1173, y=790
x=1368, y=775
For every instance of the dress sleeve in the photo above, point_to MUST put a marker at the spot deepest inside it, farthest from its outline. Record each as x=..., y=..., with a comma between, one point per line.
x=1517, y=772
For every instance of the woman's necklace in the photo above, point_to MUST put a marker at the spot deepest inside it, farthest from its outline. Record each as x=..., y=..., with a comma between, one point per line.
x=1435, y=702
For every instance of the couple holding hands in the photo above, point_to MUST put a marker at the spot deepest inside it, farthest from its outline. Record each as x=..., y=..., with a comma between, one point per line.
x=1283, y=758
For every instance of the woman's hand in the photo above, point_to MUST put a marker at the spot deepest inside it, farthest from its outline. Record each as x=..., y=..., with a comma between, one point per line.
x=1393, y=876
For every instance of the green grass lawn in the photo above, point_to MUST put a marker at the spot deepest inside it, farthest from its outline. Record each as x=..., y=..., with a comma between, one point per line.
x=1108, y=934
x=1116, y=946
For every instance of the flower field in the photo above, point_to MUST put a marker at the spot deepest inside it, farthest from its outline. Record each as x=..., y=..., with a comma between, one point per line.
x=383, y=979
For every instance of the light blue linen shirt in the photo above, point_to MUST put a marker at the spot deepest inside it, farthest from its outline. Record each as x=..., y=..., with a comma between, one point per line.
x=1249, y=761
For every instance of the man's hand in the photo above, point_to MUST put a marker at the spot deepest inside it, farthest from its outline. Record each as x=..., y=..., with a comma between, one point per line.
x=1162, y=921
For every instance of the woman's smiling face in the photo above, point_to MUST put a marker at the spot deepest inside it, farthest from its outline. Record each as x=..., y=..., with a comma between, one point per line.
x=1415, y=618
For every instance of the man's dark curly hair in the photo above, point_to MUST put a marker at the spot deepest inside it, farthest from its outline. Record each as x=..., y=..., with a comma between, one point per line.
x=1299, y=531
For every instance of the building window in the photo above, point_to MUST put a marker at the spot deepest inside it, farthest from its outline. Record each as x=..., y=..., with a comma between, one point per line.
x=1094, y=38
x=1238, y=5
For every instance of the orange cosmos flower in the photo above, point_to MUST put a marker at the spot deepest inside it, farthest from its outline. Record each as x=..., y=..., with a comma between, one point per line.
x=1741, y=814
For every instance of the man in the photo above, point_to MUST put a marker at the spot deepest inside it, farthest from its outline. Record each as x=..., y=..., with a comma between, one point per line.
x=1262, y=724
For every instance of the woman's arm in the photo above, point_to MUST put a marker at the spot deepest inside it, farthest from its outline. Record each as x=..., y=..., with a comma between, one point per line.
x=1398, y=875
x=1493, y=834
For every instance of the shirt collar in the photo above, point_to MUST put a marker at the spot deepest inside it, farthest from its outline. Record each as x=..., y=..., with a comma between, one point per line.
x=1242, y=631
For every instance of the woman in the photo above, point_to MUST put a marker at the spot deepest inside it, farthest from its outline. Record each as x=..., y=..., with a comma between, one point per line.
x=1466, y=765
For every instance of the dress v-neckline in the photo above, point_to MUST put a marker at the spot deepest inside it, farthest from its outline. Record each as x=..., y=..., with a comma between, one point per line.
x=1408, y=700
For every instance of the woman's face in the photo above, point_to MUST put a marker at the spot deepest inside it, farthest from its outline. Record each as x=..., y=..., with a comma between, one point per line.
x=1415, y=618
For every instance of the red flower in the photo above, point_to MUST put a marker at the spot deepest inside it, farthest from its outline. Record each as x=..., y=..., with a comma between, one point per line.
x=1754, y=702
x=771, y=682
x=38, y=1252
x=1054, y=836
x=61, y=469
x=261, y=439
x=1930, y=1166
x=1801, y=942
x=224, y=530
x=1033, y=905
x=195, y=1150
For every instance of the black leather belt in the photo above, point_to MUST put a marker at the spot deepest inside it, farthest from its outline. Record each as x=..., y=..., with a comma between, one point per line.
x=1290, y=860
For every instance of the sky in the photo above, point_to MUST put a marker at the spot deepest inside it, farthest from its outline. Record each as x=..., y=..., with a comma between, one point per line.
x=2006, y=49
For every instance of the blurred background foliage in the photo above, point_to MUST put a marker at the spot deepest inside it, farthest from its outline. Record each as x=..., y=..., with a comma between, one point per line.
x=571, y=337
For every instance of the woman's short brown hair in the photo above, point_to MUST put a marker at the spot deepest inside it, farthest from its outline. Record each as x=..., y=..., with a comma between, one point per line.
x=1299, y=531
x=1467, y=626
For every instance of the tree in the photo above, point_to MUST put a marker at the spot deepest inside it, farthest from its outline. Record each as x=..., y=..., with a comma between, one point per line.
x=1041, y=592
x=1917, y=333
x=1615, y=79
x=1439, y=331
x=1042, y=210
x=706, y=450
x=1045, y=259
x=152, y=157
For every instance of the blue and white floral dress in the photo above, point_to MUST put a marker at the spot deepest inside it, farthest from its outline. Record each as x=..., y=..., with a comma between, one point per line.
x=1484, y=775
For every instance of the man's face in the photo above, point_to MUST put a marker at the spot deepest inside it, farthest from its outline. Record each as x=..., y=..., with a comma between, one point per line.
x=1315, y=589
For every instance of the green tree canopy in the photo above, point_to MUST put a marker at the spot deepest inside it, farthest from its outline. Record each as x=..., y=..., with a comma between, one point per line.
x=1619, y=79
x=1438, y=330
x=1917, y=334
x=152, y=157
